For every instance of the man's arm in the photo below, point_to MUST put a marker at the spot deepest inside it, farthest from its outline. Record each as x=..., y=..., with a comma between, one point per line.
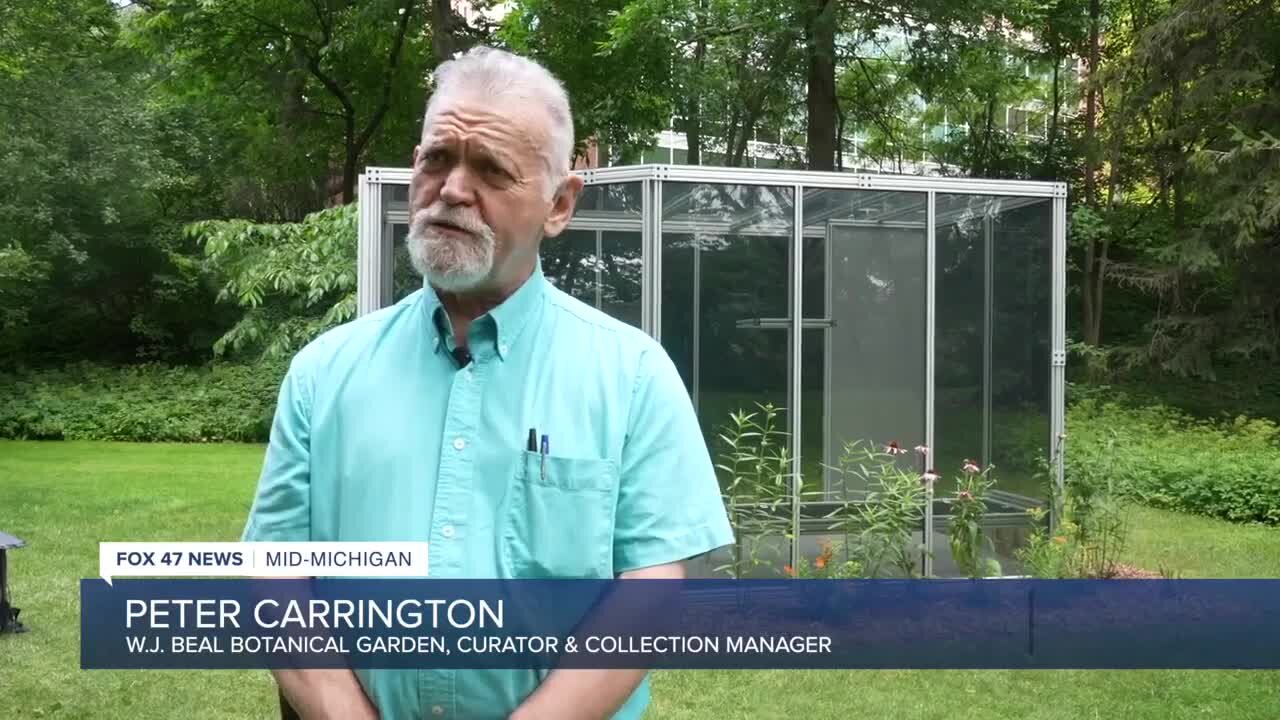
x=583, y=694
x=669, y=509
x=281, y=512
x=325, y=694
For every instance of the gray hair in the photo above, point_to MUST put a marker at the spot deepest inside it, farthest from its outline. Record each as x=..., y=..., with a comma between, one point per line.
x=496, y=74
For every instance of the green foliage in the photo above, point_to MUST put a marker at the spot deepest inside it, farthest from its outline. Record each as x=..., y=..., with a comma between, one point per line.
x=94, y=181
x=756, y=479
x=1163, y=458
x=826, y=566
x=619, y=84
x=148, y=403
x=884, y=512
x=968, y=508
x=307, y=89
x=293, y=280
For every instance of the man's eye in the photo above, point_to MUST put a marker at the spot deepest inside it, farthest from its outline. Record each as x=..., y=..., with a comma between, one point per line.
x=434, y=158
x=493, y=168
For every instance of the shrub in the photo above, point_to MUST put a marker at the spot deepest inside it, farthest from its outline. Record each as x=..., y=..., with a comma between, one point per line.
x=147, y=403
x=1163, y=458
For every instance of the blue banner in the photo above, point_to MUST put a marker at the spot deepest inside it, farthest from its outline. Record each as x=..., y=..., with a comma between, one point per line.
x=542, y=624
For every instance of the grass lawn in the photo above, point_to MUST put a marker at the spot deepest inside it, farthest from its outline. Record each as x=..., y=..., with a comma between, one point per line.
x=64, y=498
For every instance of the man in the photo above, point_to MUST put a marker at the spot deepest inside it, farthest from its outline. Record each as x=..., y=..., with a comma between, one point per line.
x=411, y=423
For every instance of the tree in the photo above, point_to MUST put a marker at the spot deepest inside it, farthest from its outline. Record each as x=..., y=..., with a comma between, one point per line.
x=318, y=69
x=90, y=196
x=293, y=281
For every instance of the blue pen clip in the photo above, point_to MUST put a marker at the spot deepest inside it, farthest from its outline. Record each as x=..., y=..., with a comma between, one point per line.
x=546, y=449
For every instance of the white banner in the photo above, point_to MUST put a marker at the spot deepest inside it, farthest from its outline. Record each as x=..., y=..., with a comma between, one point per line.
x=262, y=559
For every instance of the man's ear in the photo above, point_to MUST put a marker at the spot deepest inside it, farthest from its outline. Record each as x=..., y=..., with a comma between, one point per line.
x=416, y=150
x=562, y=206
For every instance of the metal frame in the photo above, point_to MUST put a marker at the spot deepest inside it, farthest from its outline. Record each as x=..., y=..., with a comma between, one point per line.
x=794, y=365
x=813, y=179
x=375, y=254
x=988, y=319
x=1058, y=358
x=930, y=324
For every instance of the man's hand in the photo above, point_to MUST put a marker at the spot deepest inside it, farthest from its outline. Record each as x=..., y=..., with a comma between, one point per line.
x=573, y=694
x=326, y=694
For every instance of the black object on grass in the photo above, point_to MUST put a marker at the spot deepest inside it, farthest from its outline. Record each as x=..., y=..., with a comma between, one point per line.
x=8, y=613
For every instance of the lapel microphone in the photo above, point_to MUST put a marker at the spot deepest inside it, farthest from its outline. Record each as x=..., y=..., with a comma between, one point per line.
x=462, y=356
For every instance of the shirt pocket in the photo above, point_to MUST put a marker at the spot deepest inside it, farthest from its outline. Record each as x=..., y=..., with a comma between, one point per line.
x=560, y=520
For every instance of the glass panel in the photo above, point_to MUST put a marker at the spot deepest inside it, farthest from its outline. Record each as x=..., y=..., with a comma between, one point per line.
x=405, y=278
x=994, y=305
x=621, y=276
x=1021, y=347
x=865, y=275
x=569, y=262
x=401, y=274
x=725, y=299
x=605, y=234
x=958, y=338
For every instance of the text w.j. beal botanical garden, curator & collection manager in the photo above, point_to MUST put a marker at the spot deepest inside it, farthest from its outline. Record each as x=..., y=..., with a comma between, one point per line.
x=414, y=423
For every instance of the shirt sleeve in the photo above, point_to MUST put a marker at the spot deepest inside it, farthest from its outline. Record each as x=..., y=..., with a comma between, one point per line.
x=669, y=502
x=281, y=510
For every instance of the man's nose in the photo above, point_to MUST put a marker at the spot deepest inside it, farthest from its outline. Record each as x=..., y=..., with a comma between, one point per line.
x=457, y=189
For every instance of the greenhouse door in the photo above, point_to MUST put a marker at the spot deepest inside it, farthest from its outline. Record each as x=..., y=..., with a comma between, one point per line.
x=874, y=344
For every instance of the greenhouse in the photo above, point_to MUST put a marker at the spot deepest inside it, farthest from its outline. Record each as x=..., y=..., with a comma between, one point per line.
x=852, y=312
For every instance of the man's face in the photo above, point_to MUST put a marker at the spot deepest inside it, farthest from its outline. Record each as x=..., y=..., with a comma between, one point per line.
x=480, y=198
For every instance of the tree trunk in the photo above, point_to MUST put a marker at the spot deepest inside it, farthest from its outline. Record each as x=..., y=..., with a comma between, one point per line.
x=442, y=40
x=693, y=102
x=731, y=136
x=1051, y=159
x=820, y=49
x=1095, y=257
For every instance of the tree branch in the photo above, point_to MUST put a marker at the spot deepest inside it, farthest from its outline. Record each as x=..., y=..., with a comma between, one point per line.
x=393, y=64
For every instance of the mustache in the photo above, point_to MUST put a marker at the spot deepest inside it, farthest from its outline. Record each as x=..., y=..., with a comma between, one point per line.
x=454, y=217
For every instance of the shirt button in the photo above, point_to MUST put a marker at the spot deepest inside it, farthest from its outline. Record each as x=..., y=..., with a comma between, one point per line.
x=437, y=710
x=447, y=531
x=459, y=443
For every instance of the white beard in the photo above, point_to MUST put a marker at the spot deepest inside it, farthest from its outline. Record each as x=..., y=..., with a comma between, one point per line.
x=451, y=263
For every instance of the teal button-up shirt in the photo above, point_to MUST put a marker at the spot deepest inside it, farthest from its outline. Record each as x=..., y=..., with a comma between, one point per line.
x=378, y=435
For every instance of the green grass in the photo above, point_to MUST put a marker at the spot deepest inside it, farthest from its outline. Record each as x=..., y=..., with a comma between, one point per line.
x=64, y=498
x=1195, y=546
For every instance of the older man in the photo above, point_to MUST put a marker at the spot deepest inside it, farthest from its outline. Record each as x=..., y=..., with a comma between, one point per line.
x=412, y=423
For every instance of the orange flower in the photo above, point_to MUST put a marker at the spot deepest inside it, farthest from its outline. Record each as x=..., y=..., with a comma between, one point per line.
x=1060, y=539
x=820, y=562
x=790, y=571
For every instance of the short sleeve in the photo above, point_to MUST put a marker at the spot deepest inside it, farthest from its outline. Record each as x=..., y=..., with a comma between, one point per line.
x=281, y=509
x=669, y=502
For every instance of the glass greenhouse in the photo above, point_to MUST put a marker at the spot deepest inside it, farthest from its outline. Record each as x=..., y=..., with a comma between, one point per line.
x=867, y=309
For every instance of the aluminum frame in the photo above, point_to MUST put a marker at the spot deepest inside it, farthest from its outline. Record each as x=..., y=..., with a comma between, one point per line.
x=375, y=253
x=930, y=333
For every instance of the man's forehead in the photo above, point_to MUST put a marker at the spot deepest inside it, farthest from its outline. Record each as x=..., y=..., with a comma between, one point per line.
x=467, y=116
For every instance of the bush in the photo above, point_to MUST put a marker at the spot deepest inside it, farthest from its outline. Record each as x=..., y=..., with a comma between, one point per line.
x=148, y=403
x=1164, y=458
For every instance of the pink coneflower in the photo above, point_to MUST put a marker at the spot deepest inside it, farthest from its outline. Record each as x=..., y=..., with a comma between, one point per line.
x=930, y=477
x=964, y=495
x=894, y=449
x=922, y=449
x=971, y=467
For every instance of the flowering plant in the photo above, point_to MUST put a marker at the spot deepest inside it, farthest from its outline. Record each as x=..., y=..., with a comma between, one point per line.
x=967, y=510
x=757, y=482
x=886, y=519
x=827, y=565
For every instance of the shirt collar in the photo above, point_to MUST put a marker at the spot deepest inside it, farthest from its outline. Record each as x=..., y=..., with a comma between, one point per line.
x=509, y=317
